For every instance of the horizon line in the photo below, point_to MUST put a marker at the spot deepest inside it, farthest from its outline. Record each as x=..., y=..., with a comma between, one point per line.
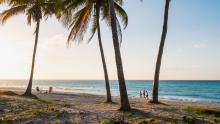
x=115, y=79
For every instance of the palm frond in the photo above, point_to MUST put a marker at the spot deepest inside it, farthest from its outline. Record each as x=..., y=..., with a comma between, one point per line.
x=80, y=25
x=119, y=30
x=5, y=15
x=70, y=8
x=74, y=5
x=77, y=13
x=122, y=14
x=29, y=18
x=20, y=2
x=94, y=28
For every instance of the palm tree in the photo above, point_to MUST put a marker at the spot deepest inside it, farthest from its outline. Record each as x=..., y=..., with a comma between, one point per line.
x=80, y=20
x=122, y=86
x=108, y=92
x=34, y=10
x=160, y=53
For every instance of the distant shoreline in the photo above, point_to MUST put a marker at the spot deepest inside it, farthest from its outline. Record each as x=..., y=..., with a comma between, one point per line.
x=170, y=101
x=190, y=91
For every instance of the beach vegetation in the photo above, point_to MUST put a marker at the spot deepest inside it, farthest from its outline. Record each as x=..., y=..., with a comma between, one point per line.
x=215, y=112
x=111, y=121
x=18, y=109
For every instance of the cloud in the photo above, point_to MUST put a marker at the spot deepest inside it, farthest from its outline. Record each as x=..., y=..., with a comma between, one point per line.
x=179, y=50
x=51, y=44
x=57, y=39
x=200, y=45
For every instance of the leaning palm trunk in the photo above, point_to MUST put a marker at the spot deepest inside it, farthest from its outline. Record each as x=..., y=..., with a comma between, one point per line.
x=160, y=53
x=108, y=92
x=122, y=86
x=29, y=88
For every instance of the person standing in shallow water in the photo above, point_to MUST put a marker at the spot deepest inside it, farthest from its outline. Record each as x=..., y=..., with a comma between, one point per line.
x=144, y=94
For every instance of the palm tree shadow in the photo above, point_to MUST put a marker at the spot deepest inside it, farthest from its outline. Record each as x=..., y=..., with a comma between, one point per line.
x=8, y=93
x=138, y=113
x=32, y=96
x=157, y=103
x=110, y=103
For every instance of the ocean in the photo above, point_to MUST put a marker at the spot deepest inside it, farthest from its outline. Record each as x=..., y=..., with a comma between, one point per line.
x=195, y=90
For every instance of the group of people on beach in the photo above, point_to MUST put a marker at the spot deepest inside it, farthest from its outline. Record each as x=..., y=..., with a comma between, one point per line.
x=144, y=93
x=50, y=90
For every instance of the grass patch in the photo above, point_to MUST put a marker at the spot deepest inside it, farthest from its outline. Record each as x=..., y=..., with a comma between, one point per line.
x=29, y=109
x=39, y=101
x=189, y=120
x=213, y=112
x=110, y=121
x=60, y=114
x=44, y=101
x=6, y=121
x=146, y=121
x=203, y=111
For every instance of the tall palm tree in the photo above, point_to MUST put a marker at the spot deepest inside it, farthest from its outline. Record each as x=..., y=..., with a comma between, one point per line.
x=34, y=10
x=79, y=21
x=97, y=11
x=160, y=53
x=122, y=86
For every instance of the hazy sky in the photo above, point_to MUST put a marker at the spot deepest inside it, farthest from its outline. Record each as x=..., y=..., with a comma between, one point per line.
x=192, y=49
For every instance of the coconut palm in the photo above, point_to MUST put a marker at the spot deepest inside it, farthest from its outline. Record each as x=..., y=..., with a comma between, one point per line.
x=122, y=86
x=34, y=10
x=160, y=53
x=79, y=21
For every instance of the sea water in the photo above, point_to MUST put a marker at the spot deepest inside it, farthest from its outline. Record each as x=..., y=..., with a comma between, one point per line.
x=196, y=90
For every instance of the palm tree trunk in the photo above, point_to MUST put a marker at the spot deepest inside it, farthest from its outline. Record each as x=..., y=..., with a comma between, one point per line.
x=122, y=86
x=29, y=88
x=108, y=92
x=160, y=53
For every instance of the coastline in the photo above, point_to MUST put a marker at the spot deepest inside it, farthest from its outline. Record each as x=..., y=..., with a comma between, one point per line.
x=89, y=108
x=178, y=90
x=168, y=101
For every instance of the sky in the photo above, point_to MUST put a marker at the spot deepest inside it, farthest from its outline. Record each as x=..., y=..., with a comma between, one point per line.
x=191, y=51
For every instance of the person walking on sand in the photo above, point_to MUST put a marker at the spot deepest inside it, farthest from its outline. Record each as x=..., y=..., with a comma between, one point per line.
x=37, y=89
x=50, y=89
x=140, y=94
x=144, y=94
x=147, y=95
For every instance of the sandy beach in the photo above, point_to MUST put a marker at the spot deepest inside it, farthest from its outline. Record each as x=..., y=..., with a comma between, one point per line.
x=81, y=108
